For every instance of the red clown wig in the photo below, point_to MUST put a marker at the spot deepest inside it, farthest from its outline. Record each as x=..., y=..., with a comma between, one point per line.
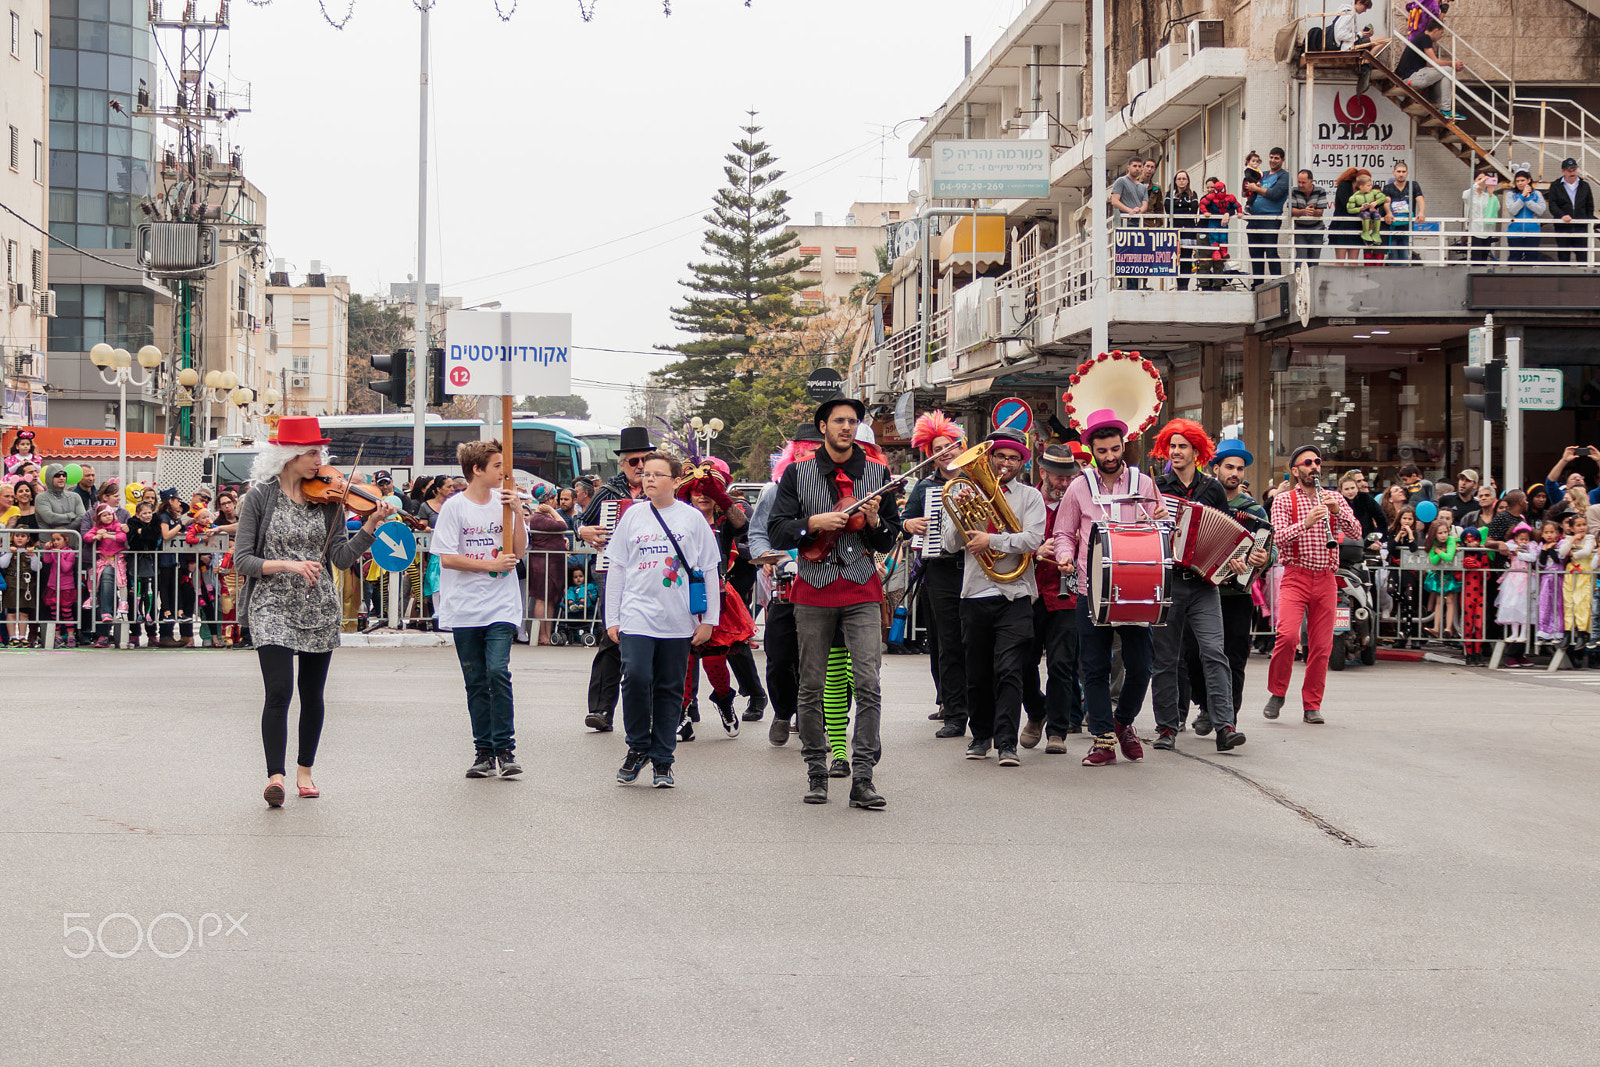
x=1191, y=432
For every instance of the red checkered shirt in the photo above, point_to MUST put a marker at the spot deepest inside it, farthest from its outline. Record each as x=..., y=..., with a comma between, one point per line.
x=1305, y=545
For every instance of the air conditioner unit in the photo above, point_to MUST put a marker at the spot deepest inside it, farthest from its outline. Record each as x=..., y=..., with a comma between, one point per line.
x=1170, y=57
x=1204, y=33
x=47, y=303
x=299, y=381
x=1010, y=312
x=1138, y=79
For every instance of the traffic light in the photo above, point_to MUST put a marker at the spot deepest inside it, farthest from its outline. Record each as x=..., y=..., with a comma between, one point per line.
x=1491, y=402
x=395, y=365
x=436, y=397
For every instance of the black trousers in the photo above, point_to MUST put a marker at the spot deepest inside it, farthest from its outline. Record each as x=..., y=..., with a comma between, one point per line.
x=605, y=676
x=783, y=660
x=1262, y=231
x=947, y=653
x=742, y=662
x=1060, y=702
x=999, y=638
x=1570, y=239
x=277, y=677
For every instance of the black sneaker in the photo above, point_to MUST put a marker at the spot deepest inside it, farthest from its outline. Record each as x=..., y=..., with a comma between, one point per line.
x=778, y=732
x=1274, y=706
x=1228, y=737
x=1202, y=725
x=1166, y=740
x=952, y=729
x=628, y=773
x=862, y=795
x=597, y=721
x=686, y=726
x=1008, y=758
x=816, y=789
x=757, y=707
x=839, y=769
x=509, y=767
x=482, y=765
x=979, y=749
x=663, y=778
x=724, y=706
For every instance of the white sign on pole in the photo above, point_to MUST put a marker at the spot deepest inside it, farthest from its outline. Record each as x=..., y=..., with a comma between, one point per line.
x=1539, y=390
x=1477, y=345
x=493, y=353
x=996, y=170
x=1350, y=129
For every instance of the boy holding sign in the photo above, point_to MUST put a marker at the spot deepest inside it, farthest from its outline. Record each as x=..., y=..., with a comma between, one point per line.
x=479, y=600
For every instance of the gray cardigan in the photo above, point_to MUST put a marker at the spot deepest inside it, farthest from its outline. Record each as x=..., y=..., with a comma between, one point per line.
x=255, y=517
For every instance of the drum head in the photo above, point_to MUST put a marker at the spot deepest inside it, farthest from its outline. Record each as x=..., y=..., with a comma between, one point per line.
x=1099, y=576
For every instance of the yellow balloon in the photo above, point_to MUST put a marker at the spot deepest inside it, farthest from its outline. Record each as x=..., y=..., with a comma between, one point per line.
x=133, y=492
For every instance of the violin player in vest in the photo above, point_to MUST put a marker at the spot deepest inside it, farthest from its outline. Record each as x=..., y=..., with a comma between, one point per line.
x=825, y=506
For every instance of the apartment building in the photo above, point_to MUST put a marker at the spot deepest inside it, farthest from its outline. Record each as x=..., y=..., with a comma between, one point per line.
x=1361, y=349
x=25, y=303
x=311, y=323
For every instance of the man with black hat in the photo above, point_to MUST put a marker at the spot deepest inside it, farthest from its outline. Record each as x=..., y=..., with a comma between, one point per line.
x=1229, y=464
x=1306, y=521
x=1571, y=201
x=781, y=642
x=939, y=603
x=605, y=675
x=996, y=616
x=839, y=591
x=1055, y=710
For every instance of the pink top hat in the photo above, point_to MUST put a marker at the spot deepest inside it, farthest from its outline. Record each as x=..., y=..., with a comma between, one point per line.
x=1103, y=417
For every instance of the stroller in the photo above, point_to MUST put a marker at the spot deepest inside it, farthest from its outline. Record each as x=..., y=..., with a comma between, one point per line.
x=579, y=620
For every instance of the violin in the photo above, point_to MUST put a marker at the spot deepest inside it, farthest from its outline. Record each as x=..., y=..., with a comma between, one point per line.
x=328, y=486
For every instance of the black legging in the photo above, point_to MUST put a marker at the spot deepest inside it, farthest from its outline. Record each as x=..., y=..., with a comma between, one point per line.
x=277, y=676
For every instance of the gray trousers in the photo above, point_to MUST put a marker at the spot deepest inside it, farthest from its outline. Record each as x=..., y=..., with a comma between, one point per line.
x=862, y=626
x=1196, y=606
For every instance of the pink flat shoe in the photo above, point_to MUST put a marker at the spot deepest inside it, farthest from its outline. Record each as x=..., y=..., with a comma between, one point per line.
x=309, y=791
x=273, y=794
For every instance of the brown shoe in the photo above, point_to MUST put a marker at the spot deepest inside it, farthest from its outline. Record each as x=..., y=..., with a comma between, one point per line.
x=1056, y=746
x=1313, y=716
x=1031, y=732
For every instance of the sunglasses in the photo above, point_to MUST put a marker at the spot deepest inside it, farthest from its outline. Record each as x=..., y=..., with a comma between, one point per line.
x=1309, y=463
x=633, y=461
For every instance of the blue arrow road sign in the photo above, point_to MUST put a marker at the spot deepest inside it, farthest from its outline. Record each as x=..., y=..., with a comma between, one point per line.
x=394, y=546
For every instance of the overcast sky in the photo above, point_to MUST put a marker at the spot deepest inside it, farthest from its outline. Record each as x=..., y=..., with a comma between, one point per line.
x=554, y=137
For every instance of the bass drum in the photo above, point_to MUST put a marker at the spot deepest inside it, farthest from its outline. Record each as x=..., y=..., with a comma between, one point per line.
x=1128, y=574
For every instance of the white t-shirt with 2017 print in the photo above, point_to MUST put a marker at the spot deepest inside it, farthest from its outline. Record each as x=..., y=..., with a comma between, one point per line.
x=647, y=593
x=474, y=598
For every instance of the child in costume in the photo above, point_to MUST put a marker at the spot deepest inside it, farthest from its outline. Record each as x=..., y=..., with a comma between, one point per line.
x=60, y=580
x=1473, y=564
x=704, y=487
x=1578, y=584
x=144, y=541
x=1511, y=603
x=1548, y=626
x=1371, y=206
x=21, y=562
x=1441, y=579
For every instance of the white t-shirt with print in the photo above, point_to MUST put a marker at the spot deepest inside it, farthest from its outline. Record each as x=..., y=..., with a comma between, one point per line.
x=474, y=598
x=647, y=593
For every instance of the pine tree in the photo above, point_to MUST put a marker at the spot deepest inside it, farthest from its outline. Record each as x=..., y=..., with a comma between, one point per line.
x=740, y=306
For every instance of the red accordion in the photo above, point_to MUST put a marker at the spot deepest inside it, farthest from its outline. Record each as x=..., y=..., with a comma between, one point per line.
x=1205, y=540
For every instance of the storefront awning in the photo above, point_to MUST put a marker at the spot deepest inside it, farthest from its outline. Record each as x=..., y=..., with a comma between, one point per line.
x=955, y=244
x=54, y=442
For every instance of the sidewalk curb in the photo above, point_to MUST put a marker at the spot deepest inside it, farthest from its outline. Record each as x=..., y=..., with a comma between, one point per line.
x=394, y=640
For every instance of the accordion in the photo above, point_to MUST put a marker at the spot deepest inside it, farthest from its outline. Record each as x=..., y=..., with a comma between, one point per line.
x=1205, y=540
x=610, y=512
x=930, y=545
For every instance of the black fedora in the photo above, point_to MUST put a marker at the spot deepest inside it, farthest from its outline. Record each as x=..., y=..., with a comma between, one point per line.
x=635, y=439
x=825, y=408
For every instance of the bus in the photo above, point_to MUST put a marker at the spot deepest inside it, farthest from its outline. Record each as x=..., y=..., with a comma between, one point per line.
x=540, y=448
x=601, y=439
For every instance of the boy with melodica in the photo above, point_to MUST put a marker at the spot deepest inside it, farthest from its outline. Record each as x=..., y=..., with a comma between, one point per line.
x=662, y=596
x=479, y=600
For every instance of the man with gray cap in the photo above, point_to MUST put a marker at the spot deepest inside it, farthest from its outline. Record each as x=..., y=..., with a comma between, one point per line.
x=1571, y=202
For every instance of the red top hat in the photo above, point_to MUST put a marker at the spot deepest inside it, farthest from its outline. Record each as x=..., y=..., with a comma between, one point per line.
x=299, y=431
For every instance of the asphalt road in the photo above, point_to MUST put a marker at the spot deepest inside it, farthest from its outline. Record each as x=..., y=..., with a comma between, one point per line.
x=1413, y=883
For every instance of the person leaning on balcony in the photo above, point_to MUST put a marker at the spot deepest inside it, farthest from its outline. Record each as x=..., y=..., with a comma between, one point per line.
x=1525, y=206
x=1129, y=196
x=1571, y=202
x=1406, y=208
x=1306, y=205
x=1266, y=215
x=1480, y=205
x=1183, y=206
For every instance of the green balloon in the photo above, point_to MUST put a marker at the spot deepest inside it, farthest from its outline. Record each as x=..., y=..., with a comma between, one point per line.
x=74, y=474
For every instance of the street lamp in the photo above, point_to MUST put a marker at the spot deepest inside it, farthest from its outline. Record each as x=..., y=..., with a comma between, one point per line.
x=116, y=368
x=218, y=387
x=244, y=398
x=705, y=432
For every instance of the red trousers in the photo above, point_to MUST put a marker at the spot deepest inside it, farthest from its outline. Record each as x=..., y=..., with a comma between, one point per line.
x=1313, y=596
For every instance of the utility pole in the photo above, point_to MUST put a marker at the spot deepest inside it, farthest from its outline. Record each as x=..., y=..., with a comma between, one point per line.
x=419, y=394
x=1513, y=405
x=1099, y=262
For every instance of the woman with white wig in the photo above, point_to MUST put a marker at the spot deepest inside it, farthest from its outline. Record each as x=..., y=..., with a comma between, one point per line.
x=285, y=551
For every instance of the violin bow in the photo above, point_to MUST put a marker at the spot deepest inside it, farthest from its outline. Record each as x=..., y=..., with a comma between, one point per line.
x=327, y=544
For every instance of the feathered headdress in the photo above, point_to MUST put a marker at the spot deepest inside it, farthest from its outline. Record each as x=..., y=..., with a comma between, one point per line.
x=1190, y=431
x=933, y=430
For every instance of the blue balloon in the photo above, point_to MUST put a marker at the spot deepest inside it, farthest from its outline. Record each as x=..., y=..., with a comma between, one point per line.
x=1427, y=511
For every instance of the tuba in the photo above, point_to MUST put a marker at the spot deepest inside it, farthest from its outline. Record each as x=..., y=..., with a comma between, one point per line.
x=983, y=508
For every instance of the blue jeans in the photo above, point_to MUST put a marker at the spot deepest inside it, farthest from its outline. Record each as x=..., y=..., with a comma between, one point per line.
x=105, y=600
x=485, y=655
x=1399, y=242
x=653, y=673
x=1094, y=654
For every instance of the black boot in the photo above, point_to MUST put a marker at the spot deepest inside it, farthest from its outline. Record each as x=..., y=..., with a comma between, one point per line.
x=816, y=789
x=1228, y=737
x=952, y=728
x=757, y=707
x=862, y=795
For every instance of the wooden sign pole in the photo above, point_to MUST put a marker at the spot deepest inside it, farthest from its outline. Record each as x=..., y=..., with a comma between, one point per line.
x=512, y=512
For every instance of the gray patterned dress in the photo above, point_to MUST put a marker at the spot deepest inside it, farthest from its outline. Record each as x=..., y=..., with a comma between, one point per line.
x=284, y=609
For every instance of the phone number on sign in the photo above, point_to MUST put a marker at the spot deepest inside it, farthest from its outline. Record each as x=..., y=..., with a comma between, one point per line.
x=1347, y=159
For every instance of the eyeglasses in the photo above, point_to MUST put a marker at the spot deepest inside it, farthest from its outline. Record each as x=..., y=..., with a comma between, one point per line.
x=1309, y=463
x=633, y=461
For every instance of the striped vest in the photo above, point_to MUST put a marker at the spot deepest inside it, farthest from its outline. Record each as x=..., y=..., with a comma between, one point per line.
x=850, y=558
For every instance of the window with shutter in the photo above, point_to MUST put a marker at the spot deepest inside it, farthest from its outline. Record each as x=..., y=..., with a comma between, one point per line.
x=16, y=35
x=16, y=148
x=38, y=270
x=11, y=261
